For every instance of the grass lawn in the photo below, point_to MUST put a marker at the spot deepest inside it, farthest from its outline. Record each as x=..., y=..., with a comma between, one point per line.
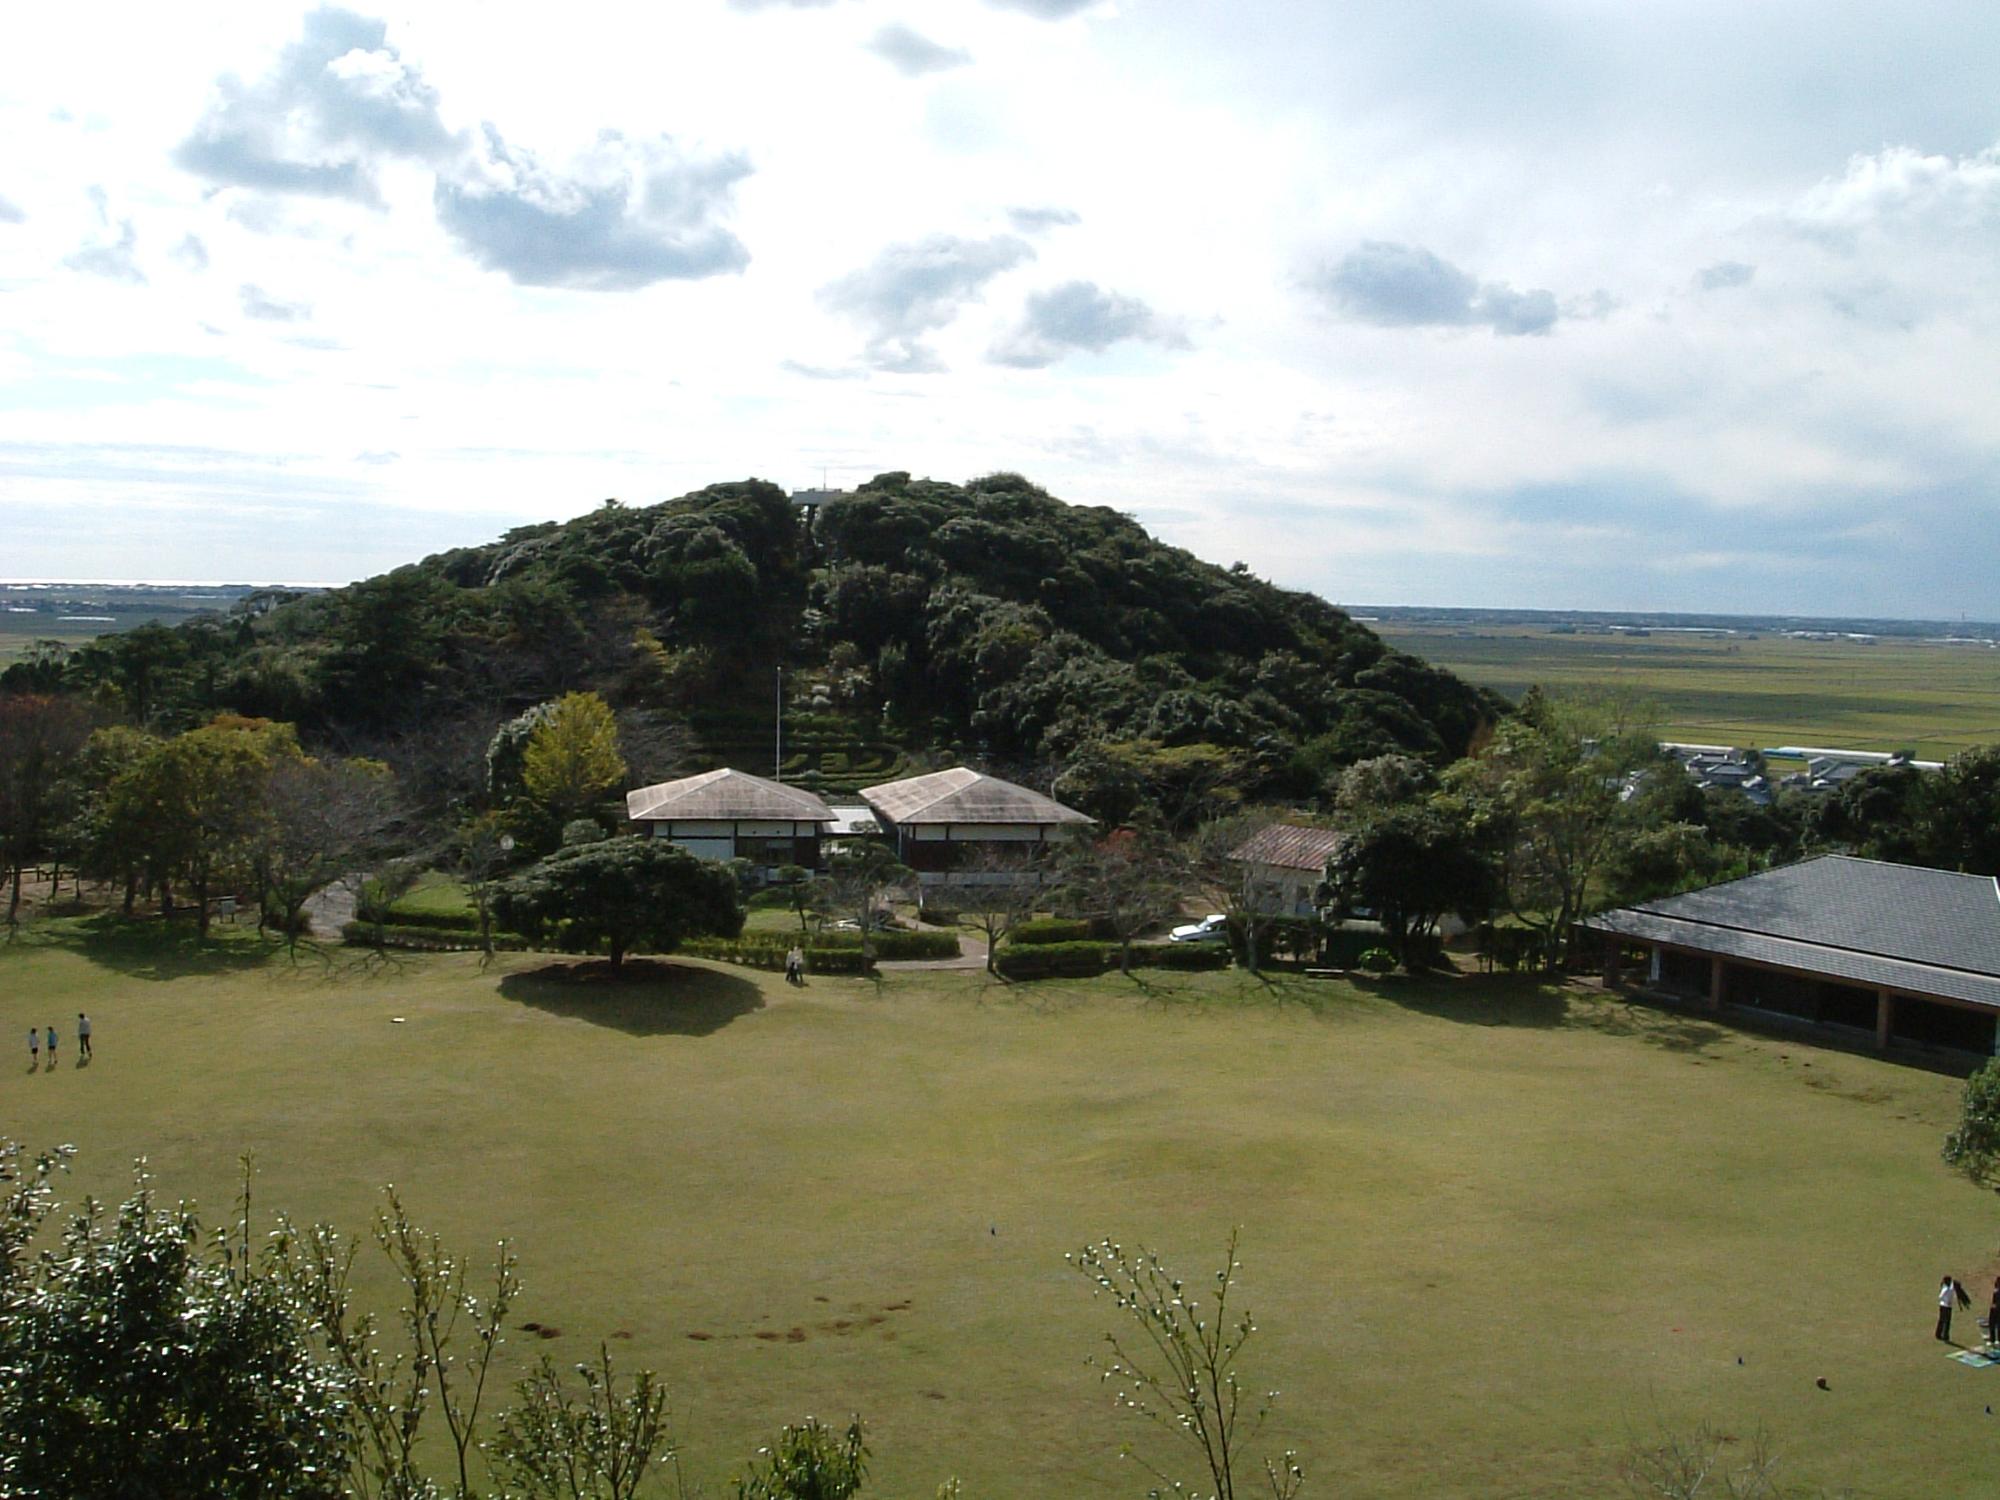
x=1492, y=1232
x=1770, y=690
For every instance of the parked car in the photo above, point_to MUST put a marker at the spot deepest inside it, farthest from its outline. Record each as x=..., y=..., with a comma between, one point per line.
x=1210, y=929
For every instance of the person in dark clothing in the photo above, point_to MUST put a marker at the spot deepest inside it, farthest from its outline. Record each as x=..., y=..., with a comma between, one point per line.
x=1993, y=1315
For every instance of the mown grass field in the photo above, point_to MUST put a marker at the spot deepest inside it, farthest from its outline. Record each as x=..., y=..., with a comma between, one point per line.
x=1492, y=1232
x=1735, y=691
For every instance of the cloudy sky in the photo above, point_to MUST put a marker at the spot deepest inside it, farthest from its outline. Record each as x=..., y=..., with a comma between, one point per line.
x=1593, y=303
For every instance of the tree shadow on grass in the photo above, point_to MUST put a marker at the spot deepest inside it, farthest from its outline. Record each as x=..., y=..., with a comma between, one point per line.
x=160, y=949
x=647, y=997
x=1474, y=999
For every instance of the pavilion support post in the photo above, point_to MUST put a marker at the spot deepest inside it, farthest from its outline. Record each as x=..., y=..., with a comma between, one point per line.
x=1718, y=982
x=1614, y=961
x=1885, y=1019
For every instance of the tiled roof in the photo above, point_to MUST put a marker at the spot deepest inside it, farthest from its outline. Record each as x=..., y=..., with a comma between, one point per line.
x=1882, y=925
x=964, y=796
x=1289, y=847
x=726, y=794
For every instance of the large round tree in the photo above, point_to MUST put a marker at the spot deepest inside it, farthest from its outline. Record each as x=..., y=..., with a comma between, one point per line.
x=621, y=893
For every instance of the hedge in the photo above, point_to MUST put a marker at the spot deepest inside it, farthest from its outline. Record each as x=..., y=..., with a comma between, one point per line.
x=429, y=939
x=1052, y=960
x=443, y=921
x=1081, y=960
x=895, y=945
x=1178, y=956
x=755, y=953
x=1044, y=930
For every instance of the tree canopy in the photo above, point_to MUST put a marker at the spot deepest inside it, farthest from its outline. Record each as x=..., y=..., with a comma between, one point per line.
x=620, y=894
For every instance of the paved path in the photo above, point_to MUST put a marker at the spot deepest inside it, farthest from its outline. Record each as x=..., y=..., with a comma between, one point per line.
x=971, y=956
x=328, y=911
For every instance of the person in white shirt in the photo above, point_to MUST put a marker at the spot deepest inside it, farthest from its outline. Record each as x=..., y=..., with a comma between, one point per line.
x=1945, y=1299
x=34, y=1048
x=82, y=1035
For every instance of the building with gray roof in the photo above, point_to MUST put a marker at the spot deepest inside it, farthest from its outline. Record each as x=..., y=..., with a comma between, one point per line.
x=725, y=814
x=938, y=818
x=1851, y=944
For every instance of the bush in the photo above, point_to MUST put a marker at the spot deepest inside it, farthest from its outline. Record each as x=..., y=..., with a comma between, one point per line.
x=1974, y=1148
x=1378, y=961
x=1051, y=930
x=425, y=939
x=1053, y=960
x=761, y=951
x=442, y=921
x=771, y=898
x=938, y=916
x=1178, y=956
x=896, y=945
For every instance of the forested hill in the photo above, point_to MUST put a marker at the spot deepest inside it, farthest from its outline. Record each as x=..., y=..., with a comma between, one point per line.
x=988, y=619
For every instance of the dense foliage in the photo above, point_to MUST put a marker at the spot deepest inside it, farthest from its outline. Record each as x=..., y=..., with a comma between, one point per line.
x=620, y=894
x=988, y=619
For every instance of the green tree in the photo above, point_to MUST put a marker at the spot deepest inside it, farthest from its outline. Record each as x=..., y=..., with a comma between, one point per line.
x=621, y=893
x=1412, y=865
x=39, y=737
x=1554, y=785
x=194, y=803
x=100, y=842
x=1958, y=813
x=1974, y=1147
x=572, y=761
x=140, y=1357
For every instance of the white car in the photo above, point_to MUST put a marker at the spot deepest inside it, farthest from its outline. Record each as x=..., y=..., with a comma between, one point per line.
x=1210, y=929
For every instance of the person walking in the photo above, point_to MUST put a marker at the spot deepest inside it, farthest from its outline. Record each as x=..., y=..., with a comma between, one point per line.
x=34, y=1049
x=795, y=965
x=1945, y=1301
x=83, y=1036
x=52, y=1046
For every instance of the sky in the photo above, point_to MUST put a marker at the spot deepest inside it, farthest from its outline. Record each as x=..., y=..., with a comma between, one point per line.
x=1610, y=304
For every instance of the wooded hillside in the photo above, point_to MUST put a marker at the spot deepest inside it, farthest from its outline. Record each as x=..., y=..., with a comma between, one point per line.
x=912, y=618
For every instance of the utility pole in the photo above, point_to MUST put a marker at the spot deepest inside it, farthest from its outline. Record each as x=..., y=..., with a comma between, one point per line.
x=778, y=740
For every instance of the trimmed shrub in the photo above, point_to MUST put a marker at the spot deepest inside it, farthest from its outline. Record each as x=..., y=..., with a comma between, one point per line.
x=1044, y=930
x=758, y=952
x=1378, y=961
x=426, y=939
x=1177, y=956
x=938, y=916
x=896, y=945
x=1053, y=960
x=438, y=921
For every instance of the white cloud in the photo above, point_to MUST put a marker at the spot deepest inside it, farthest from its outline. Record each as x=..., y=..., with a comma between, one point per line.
x=1080, y=317
x=913, y=54
x=917, y=287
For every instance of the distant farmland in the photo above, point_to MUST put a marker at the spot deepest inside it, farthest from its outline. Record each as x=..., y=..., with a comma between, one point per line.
x=1738, y=690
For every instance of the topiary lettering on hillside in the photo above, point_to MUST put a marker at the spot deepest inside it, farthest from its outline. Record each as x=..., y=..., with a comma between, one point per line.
x=621, y=894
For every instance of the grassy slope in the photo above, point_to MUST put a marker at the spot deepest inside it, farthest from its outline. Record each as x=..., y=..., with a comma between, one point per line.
x=1486, y=1255
x=1770, y=691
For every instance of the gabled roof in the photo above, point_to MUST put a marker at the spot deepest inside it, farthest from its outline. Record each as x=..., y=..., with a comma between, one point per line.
x=1289, y=847
x=726, y=794
x=1889, y=926
x=964, y=796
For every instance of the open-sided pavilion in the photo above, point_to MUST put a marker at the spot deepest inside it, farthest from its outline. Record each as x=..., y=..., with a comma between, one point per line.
x=1856, y=946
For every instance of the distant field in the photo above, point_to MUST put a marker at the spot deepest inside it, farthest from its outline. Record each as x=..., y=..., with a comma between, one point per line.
x=1494, y=1231
x=1763, y=691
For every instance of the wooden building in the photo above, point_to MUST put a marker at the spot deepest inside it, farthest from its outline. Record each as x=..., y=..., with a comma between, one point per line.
x=1284, y=864
x=1864, y=949
x=729, y=814
x=936, y=819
